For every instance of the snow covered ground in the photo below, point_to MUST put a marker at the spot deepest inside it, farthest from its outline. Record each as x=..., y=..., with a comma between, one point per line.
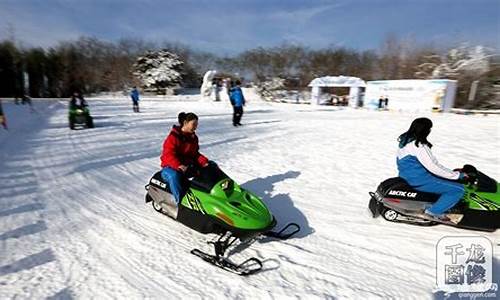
x=73, y=222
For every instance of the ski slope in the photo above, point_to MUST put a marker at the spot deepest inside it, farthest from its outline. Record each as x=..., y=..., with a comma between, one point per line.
x=74, y=225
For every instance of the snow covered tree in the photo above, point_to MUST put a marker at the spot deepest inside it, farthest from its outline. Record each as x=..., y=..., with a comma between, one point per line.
x=461, y=61
x=268, y=89
x=158, y=70
x=466, y=64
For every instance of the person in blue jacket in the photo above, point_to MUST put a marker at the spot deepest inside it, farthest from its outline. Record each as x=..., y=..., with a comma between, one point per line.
x=134, y=94
x=421, y=170
x=238, y=101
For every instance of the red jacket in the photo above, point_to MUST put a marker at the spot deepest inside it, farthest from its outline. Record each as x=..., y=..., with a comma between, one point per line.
x=181, y=148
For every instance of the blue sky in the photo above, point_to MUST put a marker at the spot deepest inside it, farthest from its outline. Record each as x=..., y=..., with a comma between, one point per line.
x=228, y=27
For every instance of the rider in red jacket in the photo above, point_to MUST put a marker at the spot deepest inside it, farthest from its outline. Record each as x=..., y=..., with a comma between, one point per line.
x=180, y=150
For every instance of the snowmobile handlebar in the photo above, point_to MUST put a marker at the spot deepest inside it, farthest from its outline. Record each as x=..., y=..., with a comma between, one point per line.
x=194, y=170
x=471, y=174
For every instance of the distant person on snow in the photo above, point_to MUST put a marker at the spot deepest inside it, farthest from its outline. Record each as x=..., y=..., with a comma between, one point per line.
x=421, y=170
x=380, y=102
x=237, y=101
x=180, y=150
x=134, y=94
x=217, y=87
x=27, y=100
x=228, y=84
x=77, y=101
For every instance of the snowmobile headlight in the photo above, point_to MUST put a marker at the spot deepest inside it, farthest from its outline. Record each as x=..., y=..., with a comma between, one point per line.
x=225, y=185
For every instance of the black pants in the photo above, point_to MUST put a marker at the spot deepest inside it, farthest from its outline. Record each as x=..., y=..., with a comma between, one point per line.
x=237, y=114
x=135, y=105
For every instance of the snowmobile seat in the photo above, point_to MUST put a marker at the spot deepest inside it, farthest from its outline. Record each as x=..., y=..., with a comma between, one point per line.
x=398, y=188
x=158, y=182
x=202, y=179
x=394, y=183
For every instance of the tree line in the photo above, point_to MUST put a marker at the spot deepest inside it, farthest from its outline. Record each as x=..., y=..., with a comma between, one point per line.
x=90, y=65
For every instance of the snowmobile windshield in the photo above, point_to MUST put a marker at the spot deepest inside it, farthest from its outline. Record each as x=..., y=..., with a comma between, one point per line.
x=207, y=178
x=486, y=184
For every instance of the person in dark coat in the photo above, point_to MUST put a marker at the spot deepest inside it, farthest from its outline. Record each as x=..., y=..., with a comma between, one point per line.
x=238, y=101
x=77, y=101
x=180, y=150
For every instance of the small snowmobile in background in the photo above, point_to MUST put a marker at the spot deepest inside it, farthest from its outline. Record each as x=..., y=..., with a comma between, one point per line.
x=479, y=209
x=80, y=116
x=214, y=203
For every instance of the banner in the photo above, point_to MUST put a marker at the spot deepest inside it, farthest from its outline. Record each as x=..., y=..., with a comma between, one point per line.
x=412, y=94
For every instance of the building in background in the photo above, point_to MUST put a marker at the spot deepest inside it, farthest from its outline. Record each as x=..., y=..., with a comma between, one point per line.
x=324, y=88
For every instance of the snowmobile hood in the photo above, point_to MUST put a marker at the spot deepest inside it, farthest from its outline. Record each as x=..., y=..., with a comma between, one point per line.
x=235, y=206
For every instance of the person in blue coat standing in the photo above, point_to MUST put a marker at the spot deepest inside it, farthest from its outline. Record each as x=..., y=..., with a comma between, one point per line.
x=418, y=166
x=238, y=101
x=134, y=94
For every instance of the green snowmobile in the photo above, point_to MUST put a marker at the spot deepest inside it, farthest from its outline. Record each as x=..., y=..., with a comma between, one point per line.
x=214, y=203
x=479, y=209
x=80, y=115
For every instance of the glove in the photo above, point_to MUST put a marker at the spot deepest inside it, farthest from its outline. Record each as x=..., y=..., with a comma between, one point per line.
x=463, y=176
x=191, y=171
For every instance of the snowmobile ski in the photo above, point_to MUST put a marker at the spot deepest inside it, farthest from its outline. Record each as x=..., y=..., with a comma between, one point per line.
x=283, y=234
x=225, y=240
x=248, y=267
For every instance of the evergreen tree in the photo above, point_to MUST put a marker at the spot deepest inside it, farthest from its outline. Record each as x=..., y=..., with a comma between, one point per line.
x=159, y=70
x=11, y=75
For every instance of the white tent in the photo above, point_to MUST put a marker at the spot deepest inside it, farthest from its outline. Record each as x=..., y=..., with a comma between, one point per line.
x=354, y=84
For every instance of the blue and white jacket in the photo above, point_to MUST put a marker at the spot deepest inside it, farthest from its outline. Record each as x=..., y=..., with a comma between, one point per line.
x=418, y=166
x=236, y=97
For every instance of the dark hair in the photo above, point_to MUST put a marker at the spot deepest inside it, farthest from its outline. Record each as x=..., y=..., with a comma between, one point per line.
x=237, y=82
x=418, y=132
x=186, y=117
